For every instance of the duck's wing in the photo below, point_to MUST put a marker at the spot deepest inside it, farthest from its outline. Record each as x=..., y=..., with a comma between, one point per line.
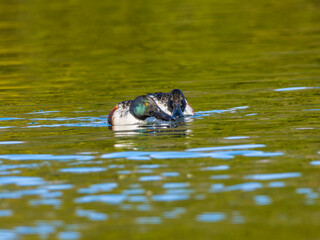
x=161, y=100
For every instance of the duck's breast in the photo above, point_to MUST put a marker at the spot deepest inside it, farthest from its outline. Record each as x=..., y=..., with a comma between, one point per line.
x=189, y=110
x=120, y=115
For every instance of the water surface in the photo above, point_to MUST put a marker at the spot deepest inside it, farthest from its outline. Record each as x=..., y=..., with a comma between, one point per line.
x=246, y=166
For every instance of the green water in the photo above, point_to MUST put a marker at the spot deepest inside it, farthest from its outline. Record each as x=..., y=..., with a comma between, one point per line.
x=65, y=64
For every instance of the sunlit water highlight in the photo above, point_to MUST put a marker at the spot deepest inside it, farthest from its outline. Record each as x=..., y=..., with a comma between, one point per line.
x=53, y=194
x=245, y=166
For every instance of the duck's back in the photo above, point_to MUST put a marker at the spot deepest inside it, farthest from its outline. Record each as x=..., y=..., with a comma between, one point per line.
x=162, y=100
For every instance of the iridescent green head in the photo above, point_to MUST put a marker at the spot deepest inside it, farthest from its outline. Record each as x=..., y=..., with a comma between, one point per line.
x=144, y=106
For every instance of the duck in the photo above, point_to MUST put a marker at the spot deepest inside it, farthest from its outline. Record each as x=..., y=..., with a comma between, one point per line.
x=173, y=103
x=137, y=111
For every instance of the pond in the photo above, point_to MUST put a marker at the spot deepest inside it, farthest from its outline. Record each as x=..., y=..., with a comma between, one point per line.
x=245, y=166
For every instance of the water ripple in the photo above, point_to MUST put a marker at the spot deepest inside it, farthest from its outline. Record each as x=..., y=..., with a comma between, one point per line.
x=83, y=170
x=5, y=213
x=10, y=142
x=150, y=178
x=106, y=198
x=249, y=186
x=69, y=235
x=221, y=152
x=23, y=157
x=216, y=168
x=21, y=181
x=169, y=197
x=91, y=215
x=242, y=146
x=262, y=200
x=272, y=176
x=211, y=217
x=100, y=187
x=6, y=234
x=293, y=89
x=317, y=162
x=175, y=185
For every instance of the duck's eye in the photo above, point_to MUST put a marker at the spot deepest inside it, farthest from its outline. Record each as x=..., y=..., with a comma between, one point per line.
x=147, y=104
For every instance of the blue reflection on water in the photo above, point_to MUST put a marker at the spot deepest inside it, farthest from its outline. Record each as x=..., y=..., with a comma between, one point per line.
x=43, y=112
x=221, y=152
x=150, y=178
x=262, y=154
x=293, y=89
x=106, y=198
x=236, y=137
x=69, y=235
x=91, y=215
x=272, y=176
x=9, y=118
x=100, y=187
x=5, y=212
x=303, y=190
x=175, y=185
x=144, y=171
x=6, y=234
x=200, y=114
x=10, y=172
x=317, y=162
x=8, y=167
x=42, y=229
x=21, y=181
x=309, y=194
x=137, y=198
x=179, y=191
x=10, y=142
x=211, y=217
x=22, y=157
x=262, y=200
x=140, y=158
x=151, y=166
x=170, y=174
x=126, y=172
x=125, y=154
x=83, y=170
x=59, y=186
x=242, y=146
x=169, y=197
x=249, y=186
x=133, y=191
x=216, y=168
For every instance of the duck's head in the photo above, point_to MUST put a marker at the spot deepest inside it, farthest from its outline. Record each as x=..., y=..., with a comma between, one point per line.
x=177, y=103
x=144, y=106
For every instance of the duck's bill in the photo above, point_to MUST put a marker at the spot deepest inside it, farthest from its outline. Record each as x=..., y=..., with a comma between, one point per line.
x=177, y=112
x=158, y=113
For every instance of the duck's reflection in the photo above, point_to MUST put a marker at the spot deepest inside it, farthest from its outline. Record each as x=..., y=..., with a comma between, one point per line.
x=154, y=127
x=177, y=128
